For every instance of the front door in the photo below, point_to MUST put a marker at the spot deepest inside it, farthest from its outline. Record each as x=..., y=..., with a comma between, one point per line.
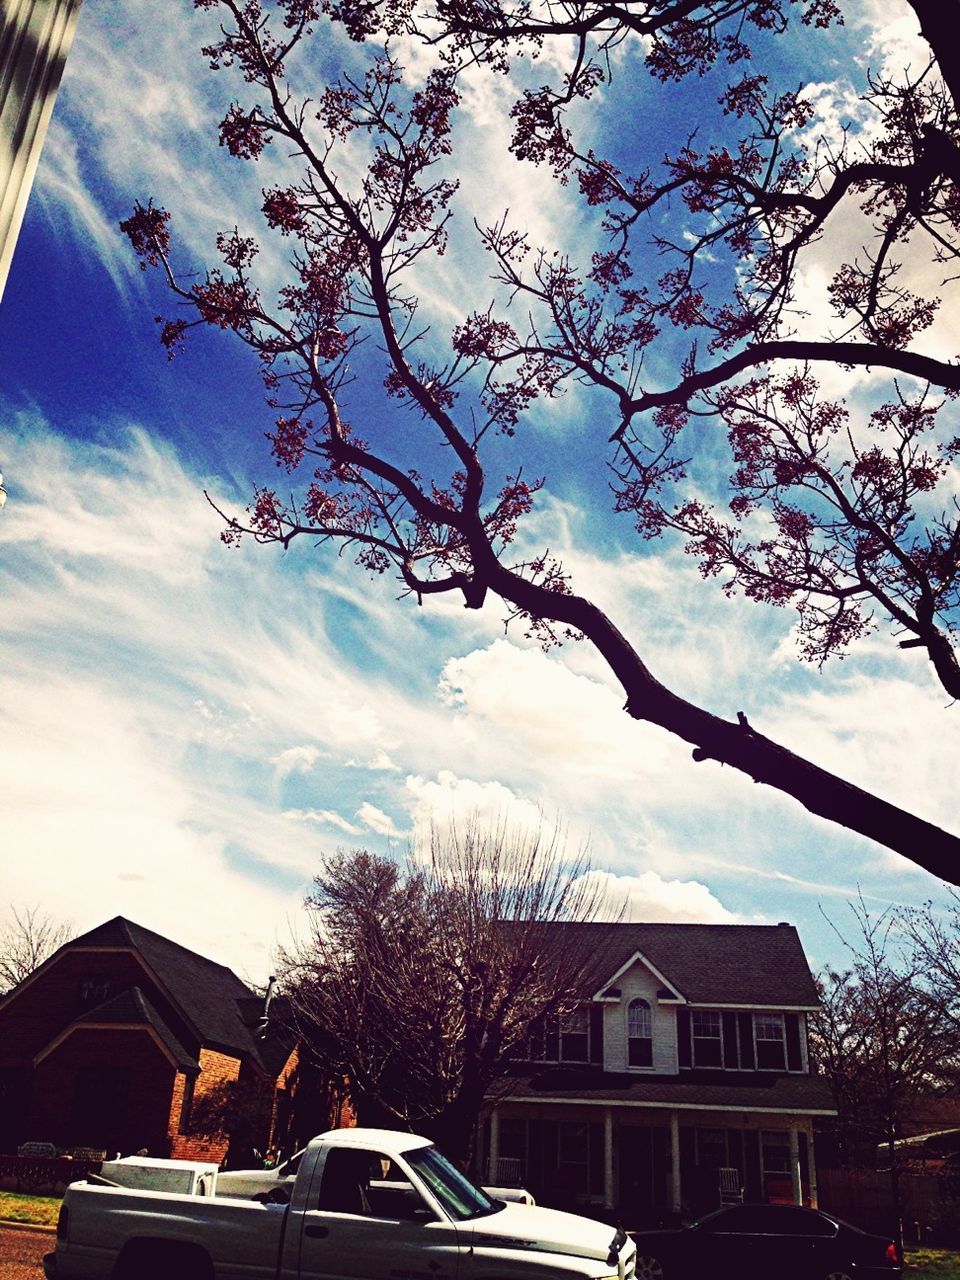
x=642, y=1165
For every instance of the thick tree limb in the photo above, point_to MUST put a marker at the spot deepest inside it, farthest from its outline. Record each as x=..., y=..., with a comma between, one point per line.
x=737, y=744
x=864, y=354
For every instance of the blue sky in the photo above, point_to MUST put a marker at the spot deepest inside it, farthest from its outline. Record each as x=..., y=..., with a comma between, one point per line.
x=185, y=729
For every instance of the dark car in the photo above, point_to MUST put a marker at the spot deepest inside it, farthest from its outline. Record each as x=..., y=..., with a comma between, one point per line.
x=766, y=1242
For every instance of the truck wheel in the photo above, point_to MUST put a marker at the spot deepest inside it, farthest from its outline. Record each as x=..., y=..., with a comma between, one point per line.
x=162, y=1260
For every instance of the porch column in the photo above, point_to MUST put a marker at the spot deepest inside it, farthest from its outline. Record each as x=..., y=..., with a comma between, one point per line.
x=35, y=38
x=493, y=1155
x=812, y=1169
x=608, y=1190
x=795, y=1165
x=675, y=1161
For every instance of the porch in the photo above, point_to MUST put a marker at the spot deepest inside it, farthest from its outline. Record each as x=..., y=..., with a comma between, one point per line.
x=649, y=1165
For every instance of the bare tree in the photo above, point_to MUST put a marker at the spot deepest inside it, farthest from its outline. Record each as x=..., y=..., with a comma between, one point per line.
x=27, y=937
x=853, y=523
x=880, y=1041
x=419, y=980
x=934, y=936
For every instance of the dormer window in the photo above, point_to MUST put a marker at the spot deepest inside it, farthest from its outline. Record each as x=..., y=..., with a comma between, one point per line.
x=94, y=988
x=771, y=1041
x=639, y=1034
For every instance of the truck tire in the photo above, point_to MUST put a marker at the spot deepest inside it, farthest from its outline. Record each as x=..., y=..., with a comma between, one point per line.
x=162, y=1260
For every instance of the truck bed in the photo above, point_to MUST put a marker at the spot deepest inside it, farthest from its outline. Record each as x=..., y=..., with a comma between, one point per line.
x=245, y=1235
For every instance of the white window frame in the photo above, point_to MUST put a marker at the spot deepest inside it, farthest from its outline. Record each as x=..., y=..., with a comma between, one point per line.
x=771, y=1016
x=574, y=1023
x=636, y=1004
x=704, y=1013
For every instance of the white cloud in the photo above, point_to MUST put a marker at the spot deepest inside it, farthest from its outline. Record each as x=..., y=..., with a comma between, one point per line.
x=535, y=708
x=377, y=821
x=98, y=820
x=891, y=31
x=324, y=818
x=649, y=897
x=450, y=801
x=296, y=759
x=380, y=762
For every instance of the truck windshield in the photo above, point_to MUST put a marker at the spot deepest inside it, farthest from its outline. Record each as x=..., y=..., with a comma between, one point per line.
x=457, y=1194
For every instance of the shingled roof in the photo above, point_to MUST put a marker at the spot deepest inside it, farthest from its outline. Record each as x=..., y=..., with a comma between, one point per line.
x=207, y=994
x=743, y=1091
x=133, y=1008
x=718, y=964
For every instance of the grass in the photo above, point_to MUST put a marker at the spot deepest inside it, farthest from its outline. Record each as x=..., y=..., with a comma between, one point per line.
x=40, y=1211
x=933, y=1264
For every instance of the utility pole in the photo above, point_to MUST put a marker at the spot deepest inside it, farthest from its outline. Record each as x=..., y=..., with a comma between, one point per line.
x=35, y=38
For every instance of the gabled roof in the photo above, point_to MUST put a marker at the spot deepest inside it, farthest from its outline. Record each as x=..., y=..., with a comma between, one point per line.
x=709, y=964
x=207, y=994
x=133, y=1008
x=669, y=992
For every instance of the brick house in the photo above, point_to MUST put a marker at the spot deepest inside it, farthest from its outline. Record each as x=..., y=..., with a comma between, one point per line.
x=682, y=1076
x=122, y=1037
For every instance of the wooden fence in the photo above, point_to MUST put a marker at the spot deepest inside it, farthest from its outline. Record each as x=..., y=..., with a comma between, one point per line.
x=930, y=1204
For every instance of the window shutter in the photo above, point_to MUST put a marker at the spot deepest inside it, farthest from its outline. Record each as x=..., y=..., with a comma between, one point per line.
x=688, y=1154
x=597, y=1160
x=735, y=1148
x=683, y=1035
x=731, y=1059
x=534, y=1173
x=551, y=1040
x=746, y=1041
x=791, y=1022
x=596, y=1033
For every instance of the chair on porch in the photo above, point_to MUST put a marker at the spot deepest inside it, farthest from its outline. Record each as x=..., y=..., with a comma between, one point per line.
x=731, y=1192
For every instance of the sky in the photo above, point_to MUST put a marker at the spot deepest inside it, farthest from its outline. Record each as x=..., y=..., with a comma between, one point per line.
x=186, y=730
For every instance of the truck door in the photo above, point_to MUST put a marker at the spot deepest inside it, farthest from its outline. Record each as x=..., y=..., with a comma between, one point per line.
x=369, y=1222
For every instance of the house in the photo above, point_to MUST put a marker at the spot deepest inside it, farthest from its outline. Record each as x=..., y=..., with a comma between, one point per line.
x=681, y=1080
x=124, y=1039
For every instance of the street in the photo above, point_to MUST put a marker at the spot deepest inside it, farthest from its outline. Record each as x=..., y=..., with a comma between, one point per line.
x=21, y=1253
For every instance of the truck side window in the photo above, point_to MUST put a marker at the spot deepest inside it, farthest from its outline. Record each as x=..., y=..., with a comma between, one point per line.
x=346, y=1177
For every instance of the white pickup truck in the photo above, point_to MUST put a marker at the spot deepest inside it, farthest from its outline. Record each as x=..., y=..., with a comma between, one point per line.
x=366, y=1204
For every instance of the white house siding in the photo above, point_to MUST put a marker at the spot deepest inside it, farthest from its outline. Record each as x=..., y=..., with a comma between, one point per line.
x=639, y=983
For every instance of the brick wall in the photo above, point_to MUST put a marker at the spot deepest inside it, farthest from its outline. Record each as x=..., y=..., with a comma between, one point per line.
x=216, y=1070
x=105, y=1089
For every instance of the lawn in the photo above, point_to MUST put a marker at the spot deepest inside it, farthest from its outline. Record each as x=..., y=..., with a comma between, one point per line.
x=40, y=1210
x=933, y=1264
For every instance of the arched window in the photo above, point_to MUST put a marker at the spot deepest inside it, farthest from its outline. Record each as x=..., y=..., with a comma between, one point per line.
x=639, y=1034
